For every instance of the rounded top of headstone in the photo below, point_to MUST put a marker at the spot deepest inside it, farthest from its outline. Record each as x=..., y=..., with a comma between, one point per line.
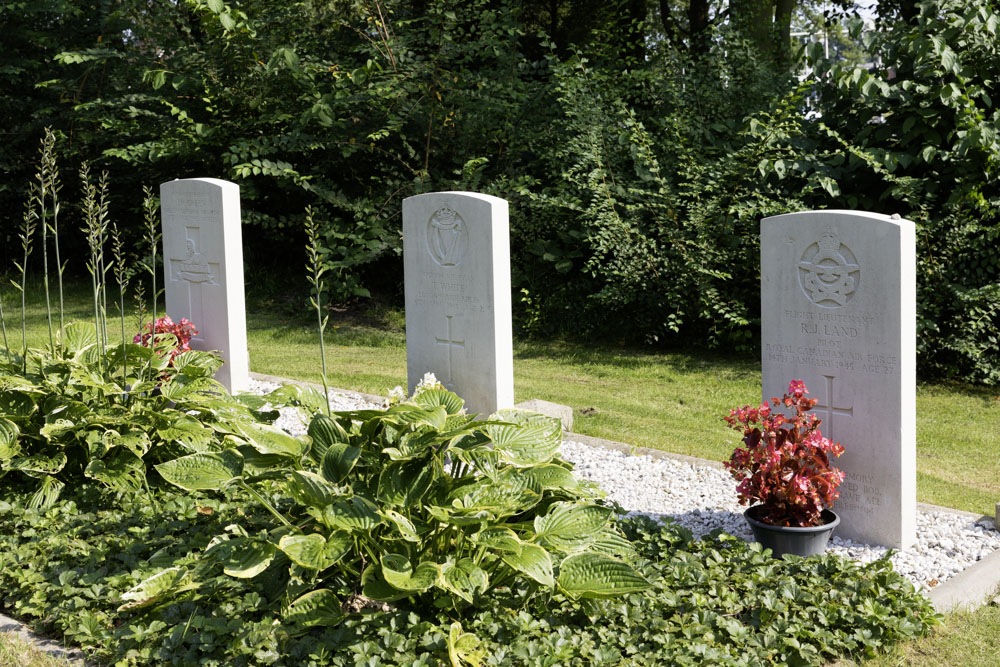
x=489, y=199
x=216, y=182
x=841, y=214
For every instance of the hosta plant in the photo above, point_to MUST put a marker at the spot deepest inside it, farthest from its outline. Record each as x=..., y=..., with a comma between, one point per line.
x=417, y=500
x=78, y=412
x=785, y=464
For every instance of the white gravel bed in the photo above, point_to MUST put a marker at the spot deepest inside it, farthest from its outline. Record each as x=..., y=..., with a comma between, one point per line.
x=703, y=498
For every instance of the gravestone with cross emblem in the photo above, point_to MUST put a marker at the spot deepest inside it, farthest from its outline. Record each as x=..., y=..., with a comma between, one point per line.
x=838, y=311
x=456, y=259
x=203, y=267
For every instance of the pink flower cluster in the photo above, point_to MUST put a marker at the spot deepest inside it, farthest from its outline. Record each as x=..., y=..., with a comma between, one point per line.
x=183, y=332
x=785, y=465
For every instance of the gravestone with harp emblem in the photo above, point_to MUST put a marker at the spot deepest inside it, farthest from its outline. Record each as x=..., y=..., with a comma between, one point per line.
x=456, y=259
x=838, y=311
x=203, y=267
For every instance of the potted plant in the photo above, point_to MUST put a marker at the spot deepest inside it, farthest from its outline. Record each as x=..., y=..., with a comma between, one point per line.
x=784, y=474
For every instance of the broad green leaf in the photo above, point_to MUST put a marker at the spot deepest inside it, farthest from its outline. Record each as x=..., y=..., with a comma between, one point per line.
x=309, y=551
x=319, y=607
x=530, y=438
x=197, y=472
x=338, y=461
x=189, y=433
x=405, y=527
x=464, y=648
x=590, y=575
x=136, y=441
x=181, y=388
x=511, y=493
x=610, y=543
x=499, y=539
x=338, y=543
x=552, y=476
x=407, y=413
x=463, y=578
x=432, y=398
x=198, y=364
x=44, y=463
x=404, y=483
x=46, y=494
x=533, y=561
x=457, y=516
x=355, y=514
x=398, y=573
x=293, y=394
x=16, y=404
x=268, y=439
x=120, y=469
x=155, y=588
x=374, y=585
x=325, y=432
x=310, y=489
x=77, y=336
x=245, y=558
x=9, y=432
x=571, y=526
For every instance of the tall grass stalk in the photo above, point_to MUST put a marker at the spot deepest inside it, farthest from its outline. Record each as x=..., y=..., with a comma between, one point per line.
x=41, y=195
x=91, y=225
x=121, y=277
x=102, y=232
x=50, y=171
x=3, y=325
x=153, y=235
x=315, y=267
x=27, y=235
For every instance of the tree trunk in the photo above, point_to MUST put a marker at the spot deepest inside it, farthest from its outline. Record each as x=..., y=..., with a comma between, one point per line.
x=697, y=26
x=755, y=18
x=783, y=27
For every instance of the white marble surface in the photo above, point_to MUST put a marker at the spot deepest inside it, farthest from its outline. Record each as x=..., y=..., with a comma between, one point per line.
x=456, y=259
x=203, y=267
x=838, y=311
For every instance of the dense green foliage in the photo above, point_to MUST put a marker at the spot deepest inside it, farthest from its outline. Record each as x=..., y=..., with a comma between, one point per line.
x=81, y=412
x=418, y=500
x=639, y=142
x=718, y=600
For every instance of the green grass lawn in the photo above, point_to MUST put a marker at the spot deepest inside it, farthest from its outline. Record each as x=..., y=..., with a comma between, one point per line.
x=672, y=401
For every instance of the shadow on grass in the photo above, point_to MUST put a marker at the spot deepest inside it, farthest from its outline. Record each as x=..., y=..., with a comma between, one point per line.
x=681, y=360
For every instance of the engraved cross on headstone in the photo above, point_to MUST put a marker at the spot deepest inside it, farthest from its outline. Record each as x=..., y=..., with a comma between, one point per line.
x=830, y=409
x=452, y=344
x=197, y=272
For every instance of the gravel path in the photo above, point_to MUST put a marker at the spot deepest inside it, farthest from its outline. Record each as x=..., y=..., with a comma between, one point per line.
x=703, y=498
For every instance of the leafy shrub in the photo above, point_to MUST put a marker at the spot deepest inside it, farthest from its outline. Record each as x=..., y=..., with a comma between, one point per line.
x=87, y=411
x=415, y=501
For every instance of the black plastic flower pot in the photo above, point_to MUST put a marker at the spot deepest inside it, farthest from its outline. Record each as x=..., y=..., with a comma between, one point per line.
x=781, y=540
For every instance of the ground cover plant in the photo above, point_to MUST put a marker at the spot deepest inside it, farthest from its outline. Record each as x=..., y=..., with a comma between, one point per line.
x=718, y=600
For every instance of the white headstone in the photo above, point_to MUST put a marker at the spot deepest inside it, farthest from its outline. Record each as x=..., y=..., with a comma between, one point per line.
x=838, y=311
x=456, y=258
x=203, y=263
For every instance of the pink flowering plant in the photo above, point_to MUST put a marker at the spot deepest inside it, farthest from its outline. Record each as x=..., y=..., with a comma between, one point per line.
x=183, y=332
x=784, y=464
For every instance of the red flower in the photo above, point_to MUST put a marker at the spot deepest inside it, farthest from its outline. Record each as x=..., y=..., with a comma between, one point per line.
x=785, y=465
x=183, y=332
